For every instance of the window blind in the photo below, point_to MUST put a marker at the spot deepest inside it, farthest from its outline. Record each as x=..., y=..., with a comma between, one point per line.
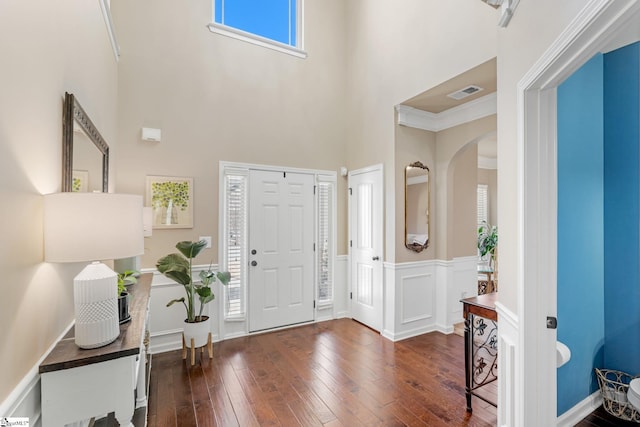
x=235, y=243
x=483, y=204
x=325, y=240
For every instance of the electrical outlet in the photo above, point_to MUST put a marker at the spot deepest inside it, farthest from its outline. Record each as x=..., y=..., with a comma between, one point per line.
x=207, y=239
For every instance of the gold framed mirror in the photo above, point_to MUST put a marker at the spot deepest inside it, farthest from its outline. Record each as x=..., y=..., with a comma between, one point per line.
x=416, y=207
x=85, y=153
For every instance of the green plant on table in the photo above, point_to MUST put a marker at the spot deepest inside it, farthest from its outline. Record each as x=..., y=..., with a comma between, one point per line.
x=126, y=278
x=487, y=239
x=179, y=267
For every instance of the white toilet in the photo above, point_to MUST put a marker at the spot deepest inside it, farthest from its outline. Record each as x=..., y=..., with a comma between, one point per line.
x=633, y=394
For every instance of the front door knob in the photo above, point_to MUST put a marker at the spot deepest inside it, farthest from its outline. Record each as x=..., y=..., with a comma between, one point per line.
x=254, y=263
x=375, y=258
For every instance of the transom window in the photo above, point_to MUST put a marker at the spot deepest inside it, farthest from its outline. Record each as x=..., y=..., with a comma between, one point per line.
x=270, y=23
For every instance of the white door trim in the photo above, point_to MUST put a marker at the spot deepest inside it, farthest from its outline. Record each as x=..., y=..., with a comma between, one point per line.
x=236, y=327
x=281, y=287
x=378, y=168
x=599, y=21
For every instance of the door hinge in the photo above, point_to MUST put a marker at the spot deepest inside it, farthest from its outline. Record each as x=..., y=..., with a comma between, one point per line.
x=314, y=190
x=350, y=191
x=314, y=303
x=314, y=247
x=350, y=243
x=350, y=295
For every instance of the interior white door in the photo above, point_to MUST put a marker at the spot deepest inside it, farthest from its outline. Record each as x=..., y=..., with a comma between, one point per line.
x=365, y=224
x=280, y=249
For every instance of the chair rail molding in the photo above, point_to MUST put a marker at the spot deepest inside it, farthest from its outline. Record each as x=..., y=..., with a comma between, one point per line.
x=435, y=122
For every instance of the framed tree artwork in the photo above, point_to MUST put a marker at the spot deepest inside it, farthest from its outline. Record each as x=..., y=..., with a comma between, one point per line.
x=171, y=200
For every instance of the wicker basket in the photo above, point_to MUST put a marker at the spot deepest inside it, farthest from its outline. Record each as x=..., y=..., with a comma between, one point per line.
x=613, y=388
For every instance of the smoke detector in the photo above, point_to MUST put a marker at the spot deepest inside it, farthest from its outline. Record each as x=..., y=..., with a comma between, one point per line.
x=464, y=92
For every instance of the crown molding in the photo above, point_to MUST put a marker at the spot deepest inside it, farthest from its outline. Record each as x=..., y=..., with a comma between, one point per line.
x=435, y=122
x=106, y=13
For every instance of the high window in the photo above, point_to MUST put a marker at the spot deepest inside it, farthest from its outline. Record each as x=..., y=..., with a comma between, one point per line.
x=275, y=24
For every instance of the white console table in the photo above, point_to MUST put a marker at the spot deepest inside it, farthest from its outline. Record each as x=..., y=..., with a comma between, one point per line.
x=78, y=384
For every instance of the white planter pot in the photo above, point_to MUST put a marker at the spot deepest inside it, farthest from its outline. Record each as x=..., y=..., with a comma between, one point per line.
x=199, y=331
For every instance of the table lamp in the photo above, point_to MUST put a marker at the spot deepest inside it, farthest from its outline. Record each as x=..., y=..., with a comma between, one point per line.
x=80, y=227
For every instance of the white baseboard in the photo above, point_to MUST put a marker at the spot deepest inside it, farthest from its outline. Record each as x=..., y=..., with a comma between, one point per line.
x=574, y=415
x=343, y=314
x=164, y=341
x=415, y=332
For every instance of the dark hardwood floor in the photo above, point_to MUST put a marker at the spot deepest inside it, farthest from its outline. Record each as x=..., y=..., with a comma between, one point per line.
x=600, y=418
x=336, y=373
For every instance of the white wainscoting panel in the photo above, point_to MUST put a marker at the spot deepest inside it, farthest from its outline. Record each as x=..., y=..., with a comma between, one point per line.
x=422, y=297
x=409, y=302
x=464, y=284
x=166, y=323
x=509, y=371
x=414, y=291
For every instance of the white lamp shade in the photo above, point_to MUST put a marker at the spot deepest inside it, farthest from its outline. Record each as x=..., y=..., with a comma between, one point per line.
x=92, y=226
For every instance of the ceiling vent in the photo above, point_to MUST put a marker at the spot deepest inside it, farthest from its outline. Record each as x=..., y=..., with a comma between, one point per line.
x=463, y=93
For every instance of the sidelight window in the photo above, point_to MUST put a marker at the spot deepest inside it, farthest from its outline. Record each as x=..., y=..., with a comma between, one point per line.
x=235, y=242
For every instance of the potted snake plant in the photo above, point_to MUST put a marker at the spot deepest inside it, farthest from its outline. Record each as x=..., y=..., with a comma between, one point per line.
x=179, y=267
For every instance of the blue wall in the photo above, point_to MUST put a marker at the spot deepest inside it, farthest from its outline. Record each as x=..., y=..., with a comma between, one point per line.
x=621, y=214
x=599, y=221
x=580, y=231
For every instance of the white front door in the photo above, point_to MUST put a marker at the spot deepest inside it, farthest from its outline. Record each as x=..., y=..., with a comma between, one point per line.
x=280, y=249
x=365, y=230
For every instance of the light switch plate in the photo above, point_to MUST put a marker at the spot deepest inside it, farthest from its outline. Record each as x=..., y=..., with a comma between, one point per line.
x=207, y=239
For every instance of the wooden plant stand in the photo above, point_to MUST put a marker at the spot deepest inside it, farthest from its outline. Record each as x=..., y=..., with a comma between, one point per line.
x=192, y=347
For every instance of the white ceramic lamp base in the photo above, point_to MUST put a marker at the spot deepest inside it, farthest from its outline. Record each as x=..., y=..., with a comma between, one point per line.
x=96, y=306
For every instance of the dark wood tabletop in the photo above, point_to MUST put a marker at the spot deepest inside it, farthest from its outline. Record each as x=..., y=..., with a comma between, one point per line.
x=482, y=305
x=66, y=354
